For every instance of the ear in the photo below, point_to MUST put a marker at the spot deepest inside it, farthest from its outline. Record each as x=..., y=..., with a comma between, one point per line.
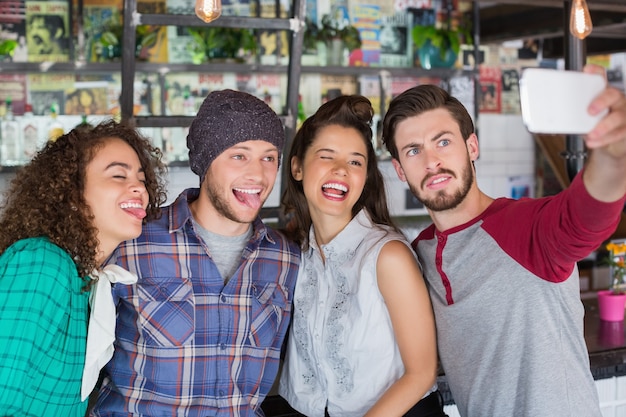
x=398, y=168
x=472, y=147
x=296, y=168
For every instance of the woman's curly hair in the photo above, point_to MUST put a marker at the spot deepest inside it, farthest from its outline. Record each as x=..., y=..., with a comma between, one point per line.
x=46, y=197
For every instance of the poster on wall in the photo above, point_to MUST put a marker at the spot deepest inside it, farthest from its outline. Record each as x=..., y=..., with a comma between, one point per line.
x=490, y=100
x=510, y=91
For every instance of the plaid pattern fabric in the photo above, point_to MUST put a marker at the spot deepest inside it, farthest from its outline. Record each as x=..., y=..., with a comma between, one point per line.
x=188, y=345
x=43, y=331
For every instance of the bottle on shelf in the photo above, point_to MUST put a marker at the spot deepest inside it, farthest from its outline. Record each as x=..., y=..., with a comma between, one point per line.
x=30, y=133
x=84, y=124
x=301, y=112
x=189, y=106
x=11, y=152
x=55, y=127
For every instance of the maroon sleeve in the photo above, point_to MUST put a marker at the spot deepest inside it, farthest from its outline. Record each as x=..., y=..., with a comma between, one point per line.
x=549, y=235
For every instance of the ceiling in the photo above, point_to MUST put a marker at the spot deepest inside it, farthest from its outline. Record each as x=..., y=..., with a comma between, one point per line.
x=505, y=20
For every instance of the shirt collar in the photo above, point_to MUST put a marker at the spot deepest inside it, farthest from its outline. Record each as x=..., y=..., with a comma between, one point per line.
x=346, y=242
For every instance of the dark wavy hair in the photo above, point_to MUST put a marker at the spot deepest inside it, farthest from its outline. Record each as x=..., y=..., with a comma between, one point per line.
x=46, y=197
x=351, y=111
x=417, y=100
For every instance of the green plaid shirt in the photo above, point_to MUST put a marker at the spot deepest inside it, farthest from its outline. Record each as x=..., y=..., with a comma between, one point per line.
x=43, y=331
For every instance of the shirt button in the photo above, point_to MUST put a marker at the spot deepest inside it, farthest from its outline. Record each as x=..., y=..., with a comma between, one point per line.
x=222, y=393
x=223, y=298
x=222, y=346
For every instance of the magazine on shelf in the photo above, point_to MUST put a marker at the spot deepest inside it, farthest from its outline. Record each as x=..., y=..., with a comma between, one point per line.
x=490, y=100
x=87, y=98
x=180, y=6
x=510, y=91
x=236, y=8
x=401, y=84
x=151, y=40
x=396, y=48
x=273, y=45
x=47, y=89
x=100, y=16
x=13, y=86
x=13, y=27
x=179, y=45
x=267, y=87
x=462, y=87
x=333, y=86
x=366, y=18
x=48, y=31
x=369, y=86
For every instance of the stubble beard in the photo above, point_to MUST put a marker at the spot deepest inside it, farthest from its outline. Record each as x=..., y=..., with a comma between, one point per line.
x=443, y=201
x=223, y=207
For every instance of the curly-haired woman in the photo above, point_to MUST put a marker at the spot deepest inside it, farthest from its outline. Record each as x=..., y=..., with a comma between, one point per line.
x=63, y=215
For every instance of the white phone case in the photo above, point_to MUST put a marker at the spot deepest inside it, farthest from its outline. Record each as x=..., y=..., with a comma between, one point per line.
x=556, y=101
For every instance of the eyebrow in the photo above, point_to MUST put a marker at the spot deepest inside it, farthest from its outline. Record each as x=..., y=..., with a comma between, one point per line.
x=334, y=151
x=434, y=138
x=270, y=148
x=121, y=164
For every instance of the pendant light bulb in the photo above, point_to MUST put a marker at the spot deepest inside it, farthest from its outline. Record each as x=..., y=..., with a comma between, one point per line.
x=580, y=20
x=208, y=10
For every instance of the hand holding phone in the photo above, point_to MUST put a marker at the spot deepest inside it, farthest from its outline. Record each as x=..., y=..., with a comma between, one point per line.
x=556, y=101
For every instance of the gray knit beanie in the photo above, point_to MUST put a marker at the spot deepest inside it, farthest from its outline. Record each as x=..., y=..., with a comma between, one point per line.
x=226, y=118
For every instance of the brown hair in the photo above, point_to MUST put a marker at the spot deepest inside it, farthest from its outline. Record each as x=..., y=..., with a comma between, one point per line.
x=46, y=196
x=353, y=111
x=417, y=100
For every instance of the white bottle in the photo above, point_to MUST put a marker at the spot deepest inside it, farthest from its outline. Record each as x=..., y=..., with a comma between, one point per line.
x=11, y=139
x=31, y=141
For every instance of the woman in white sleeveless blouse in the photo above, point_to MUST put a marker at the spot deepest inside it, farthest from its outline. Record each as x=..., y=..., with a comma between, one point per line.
x=362, y=338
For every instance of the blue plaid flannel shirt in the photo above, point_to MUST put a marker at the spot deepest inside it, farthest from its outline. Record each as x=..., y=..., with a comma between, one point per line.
x=186, y=344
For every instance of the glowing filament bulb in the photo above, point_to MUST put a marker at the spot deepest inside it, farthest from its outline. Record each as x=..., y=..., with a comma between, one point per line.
x=208, y=10
x=580, y=19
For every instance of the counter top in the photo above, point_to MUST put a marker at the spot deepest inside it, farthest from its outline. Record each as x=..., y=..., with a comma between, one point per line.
x=606, y=342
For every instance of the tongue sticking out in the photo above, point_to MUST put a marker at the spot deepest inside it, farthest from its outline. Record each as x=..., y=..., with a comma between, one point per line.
x=333, y=192
x=137, y=212
x=253, y=200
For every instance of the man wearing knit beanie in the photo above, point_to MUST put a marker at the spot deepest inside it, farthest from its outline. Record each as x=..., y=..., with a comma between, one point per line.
x=201, y=331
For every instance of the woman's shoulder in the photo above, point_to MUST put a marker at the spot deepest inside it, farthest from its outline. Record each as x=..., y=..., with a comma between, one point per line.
x=386, y=233
x=36, y=246
x=37, y=258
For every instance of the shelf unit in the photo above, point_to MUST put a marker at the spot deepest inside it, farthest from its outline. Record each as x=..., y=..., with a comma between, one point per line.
x=129, y=67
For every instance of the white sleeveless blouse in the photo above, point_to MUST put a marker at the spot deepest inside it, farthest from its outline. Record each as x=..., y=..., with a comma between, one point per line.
x=341, y=351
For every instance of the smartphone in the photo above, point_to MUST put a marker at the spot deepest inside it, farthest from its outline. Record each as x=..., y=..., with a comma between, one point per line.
x=556, y=101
